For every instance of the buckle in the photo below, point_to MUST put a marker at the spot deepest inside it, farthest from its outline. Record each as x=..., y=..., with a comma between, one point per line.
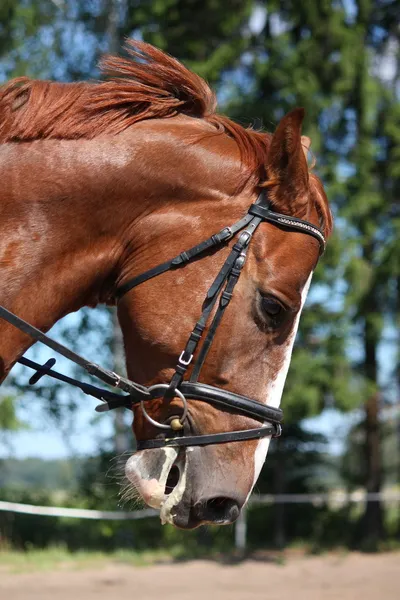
x=243, y=241
x=184, y=362
x=226, y=233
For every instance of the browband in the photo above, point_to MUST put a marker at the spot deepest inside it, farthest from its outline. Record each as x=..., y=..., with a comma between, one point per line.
x=259, y=209
x=289, y=223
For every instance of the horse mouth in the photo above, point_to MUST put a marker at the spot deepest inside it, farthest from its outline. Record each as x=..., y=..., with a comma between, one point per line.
x=175, y=487
x=172, y=480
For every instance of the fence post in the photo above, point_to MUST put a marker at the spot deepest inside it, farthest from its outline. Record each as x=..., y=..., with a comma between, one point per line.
x=241, y=531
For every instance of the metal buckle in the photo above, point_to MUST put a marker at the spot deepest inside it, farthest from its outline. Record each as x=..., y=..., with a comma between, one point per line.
x=117, y=378
x=244, y=238
x=239, y=262
x=229, y=232
x=183, y=362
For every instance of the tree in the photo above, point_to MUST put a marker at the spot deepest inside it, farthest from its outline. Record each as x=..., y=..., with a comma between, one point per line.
x=334, y=59
x=340, y=61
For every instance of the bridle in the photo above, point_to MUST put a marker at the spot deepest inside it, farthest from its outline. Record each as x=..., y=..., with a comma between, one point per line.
x=218, y=296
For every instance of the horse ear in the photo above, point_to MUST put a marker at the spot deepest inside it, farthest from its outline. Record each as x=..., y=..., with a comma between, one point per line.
x=287, y=168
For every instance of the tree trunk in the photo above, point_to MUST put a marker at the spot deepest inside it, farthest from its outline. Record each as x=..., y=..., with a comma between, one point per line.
x=373, y=517
x=279, y=488
x=113, y=25
x=369, y=308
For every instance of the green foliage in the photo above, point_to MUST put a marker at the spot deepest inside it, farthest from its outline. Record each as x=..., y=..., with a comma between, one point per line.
x=207, y=35
x=352, y=465
x=8, y=417
x=35, y=473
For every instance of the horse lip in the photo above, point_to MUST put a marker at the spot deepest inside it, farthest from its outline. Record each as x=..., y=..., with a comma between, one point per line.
x=174, y=498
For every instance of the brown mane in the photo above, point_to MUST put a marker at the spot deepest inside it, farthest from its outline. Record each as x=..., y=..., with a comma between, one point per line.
x=155, y=85
x=152, y=85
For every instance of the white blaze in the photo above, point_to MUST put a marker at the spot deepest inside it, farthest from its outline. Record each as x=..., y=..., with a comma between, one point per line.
x=151, y=485
x=275, y=388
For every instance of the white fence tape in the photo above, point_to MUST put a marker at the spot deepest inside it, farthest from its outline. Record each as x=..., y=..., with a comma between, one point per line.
x=334, y=499
x=76, y=513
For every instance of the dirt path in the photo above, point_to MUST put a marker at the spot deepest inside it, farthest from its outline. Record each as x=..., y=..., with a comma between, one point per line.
x=351, y=577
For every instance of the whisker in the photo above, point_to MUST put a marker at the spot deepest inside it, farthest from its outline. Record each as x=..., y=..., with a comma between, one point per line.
x=127, y=493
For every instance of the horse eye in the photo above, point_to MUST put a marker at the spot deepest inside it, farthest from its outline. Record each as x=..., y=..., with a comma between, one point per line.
x=271, y=307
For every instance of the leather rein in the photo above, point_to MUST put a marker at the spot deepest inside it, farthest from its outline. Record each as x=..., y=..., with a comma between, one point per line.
x=222, y=288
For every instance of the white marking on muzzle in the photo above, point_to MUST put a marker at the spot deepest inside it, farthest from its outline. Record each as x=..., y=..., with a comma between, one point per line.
x=275, y=388
x=174, y=497
x=148, y=473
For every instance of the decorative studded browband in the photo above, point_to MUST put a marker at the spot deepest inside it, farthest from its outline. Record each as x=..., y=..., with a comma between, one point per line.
x=222, y=288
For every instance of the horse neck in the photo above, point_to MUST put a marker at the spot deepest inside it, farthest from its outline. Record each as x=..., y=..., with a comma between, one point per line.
x=71, y=209
x=62, y=214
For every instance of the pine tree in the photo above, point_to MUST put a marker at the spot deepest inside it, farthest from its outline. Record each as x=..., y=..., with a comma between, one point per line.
x=339, y=61
x=329, y=58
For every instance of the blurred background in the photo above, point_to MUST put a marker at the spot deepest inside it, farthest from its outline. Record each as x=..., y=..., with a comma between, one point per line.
x=333, y=478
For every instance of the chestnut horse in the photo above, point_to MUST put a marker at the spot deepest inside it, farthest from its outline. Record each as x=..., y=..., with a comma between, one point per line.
x=102, y=182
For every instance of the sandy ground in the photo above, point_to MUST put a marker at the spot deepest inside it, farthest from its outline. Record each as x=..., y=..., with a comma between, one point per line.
x=347, y=577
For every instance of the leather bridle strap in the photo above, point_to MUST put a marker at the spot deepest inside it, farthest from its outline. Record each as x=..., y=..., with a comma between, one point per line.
x=134, y=389
x=100, y=393
x=223, y=399
x=223, y=303
x=288, y=222
x=208, y=439
x=227, y=400
x=230, y=270
x=260, y=209
x=229, y=273
x=212, y=242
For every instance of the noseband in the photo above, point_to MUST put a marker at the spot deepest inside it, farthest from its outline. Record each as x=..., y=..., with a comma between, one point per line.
x=219, y=295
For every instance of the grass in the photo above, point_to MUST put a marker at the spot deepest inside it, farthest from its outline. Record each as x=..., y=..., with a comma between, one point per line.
x=58, y=557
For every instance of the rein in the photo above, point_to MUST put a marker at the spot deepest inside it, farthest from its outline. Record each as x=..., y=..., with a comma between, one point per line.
x=222, y=288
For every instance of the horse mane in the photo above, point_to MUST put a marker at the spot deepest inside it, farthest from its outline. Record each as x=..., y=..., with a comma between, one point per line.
x=147, y=84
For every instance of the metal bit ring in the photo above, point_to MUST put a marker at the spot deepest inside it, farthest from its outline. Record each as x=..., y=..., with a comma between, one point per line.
x=165, y=386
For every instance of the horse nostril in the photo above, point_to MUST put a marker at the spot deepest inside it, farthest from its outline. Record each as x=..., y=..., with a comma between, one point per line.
x=220, y=510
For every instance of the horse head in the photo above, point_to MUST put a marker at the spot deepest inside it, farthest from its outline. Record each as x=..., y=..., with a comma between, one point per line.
x=151, y=170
